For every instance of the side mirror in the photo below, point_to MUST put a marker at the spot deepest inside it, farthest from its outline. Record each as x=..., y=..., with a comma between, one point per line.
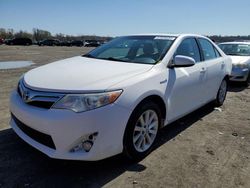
x=182, y=61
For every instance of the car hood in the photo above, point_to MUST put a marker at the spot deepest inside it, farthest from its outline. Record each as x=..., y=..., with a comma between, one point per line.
x=240, y=59
x=81, y=74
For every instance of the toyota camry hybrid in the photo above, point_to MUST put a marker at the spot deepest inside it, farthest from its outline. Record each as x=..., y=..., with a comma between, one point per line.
x=240, y=55
x=115, y=98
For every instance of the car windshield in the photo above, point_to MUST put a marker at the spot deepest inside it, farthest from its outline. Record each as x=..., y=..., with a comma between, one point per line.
x=134, y=49
x=236, y=49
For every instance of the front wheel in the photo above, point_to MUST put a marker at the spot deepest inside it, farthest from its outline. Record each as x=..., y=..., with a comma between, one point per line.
x=246, y=83
x=142, y=130
x=221, y=94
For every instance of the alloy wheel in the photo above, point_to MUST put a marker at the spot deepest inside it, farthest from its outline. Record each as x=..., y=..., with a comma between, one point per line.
x=145, y=130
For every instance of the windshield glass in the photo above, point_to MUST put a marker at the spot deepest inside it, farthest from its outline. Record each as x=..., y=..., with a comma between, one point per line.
x=134, y=49
x=236, y=49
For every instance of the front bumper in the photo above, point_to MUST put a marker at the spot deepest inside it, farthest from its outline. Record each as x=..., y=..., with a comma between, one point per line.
x=239, y=74
x=67, y=129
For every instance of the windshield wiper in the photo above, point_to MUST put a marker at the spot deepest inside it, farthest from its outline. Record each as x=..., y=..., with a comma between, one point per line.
x=232, y=54
x=109, y=58
x=88, y=55
x=114, y=59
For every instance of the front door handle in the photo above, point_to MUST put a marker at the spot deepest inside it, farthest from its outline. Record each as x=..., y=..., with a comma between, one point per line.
x=223, y=64
x=203, y=70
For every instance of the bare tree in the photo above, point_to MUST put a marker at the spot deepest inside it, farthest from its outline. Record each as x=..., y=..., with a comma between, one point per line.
x=39, y=34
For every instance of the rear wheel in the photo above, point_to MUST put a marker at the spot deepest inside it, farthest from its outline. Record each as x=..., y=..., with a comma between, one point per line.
x=221, y=94
x=142, y=130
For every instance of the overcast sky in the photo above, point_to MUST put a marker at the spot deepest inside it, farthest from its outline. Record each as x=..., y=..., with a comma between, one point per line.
x=122, y=17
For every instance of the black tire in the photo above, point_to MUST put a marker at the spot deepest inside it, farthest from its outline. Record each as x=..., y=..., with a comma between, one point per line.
x=128, y=145
x=220, y=100
x=246, y=83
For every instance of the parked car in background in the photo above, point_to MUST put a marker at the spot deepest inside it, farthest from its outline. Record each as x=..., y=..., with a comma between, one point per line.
x=35, y=43
x=77, y=43
x=19, y=41
x=65, y=43
x=240, y=54
x=91, y=43
x=49, y=42
x=115, y=98
x=1, y=41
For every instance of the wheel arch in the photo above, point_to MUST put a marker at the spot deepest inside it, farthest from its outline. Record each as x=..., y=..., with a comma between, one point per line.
x=150, y=98
x=157, y=99
x=226, y=77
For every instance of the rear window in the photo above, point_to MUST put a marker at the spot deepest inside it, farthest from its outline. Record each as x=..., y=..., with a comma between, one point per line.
x=235, y=49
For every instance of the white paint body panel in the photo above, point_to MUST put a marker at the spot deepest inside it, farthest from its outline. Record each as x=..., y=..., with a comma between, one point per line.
x=182, y=90
x=240, y=59
x=81, y=74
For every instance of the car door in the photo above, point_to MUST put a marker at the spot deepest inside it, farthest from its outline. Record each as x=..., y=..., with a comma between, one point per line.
x=186, y=84
x=215, y=68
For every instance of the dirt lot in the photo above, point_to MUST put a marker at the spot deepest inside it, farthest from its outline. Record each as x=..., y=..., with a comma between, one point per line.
x=208, y=148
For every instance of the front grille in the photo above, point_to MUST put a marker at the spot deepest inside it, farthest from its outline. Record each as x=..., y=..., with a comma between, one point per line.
x=34, y=134
x=239, y=77
x=39, y=99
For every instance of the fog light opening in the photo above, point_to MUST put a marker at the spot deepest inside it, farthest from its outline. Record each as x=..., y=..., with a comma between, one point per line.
x=93, y=136
x=86, y=144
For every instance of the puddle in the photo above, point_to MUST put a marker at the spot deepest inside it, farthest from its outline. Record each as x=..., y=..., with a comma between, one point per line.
x=14, y=64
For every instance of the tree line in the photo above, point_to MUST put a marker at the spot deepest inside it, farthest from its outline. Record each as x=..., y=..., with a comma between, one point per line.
x=219, y=38
x=40, y=34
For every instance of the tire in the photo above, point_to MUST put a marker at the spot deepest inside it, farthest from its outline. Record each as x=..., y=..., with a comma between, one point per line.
x=136, y=135
x=221, y=94
x=246, y=83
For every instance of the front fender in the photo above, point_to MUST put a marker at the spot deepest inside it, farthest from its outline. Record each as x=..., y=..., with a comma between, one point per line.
x=136, y=89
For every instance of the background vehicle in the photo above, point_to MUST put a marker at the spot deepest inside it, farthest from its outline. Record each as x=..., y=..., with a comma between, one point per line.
x=65, y=43
x=49, y=42
x=240, y=54
x=116, y=98
x=92, y=43
x=1, y=41
x=77, y=43
x=19, y=41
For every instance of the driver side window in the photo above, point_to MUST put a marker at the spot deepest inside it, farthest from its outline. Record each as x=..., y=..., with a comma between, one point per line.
x=189, y=47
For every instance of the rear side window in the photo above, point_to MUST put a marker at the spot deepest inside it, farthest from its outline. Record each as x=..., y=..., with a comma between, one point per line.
x=189, y=47
x=207, y=49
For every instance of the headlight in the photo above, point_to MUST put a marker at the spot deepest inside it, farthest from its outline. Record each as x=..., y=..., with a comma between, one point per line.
x=240, y=65
x=85, y=102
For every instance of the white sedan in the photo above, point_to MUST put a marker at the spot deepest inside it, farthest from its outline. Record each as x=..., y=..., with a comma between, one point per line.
x=116, y=98
x=240, y=54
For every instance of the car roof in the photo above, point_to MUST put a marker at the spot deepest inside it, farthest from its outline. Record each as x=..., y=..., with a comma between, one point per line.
x=167, y=35
x=235, y=42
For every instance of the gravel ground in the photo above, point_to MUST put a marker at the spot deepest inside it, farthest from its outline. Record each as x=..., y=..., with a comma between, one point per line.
x=207, y=148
